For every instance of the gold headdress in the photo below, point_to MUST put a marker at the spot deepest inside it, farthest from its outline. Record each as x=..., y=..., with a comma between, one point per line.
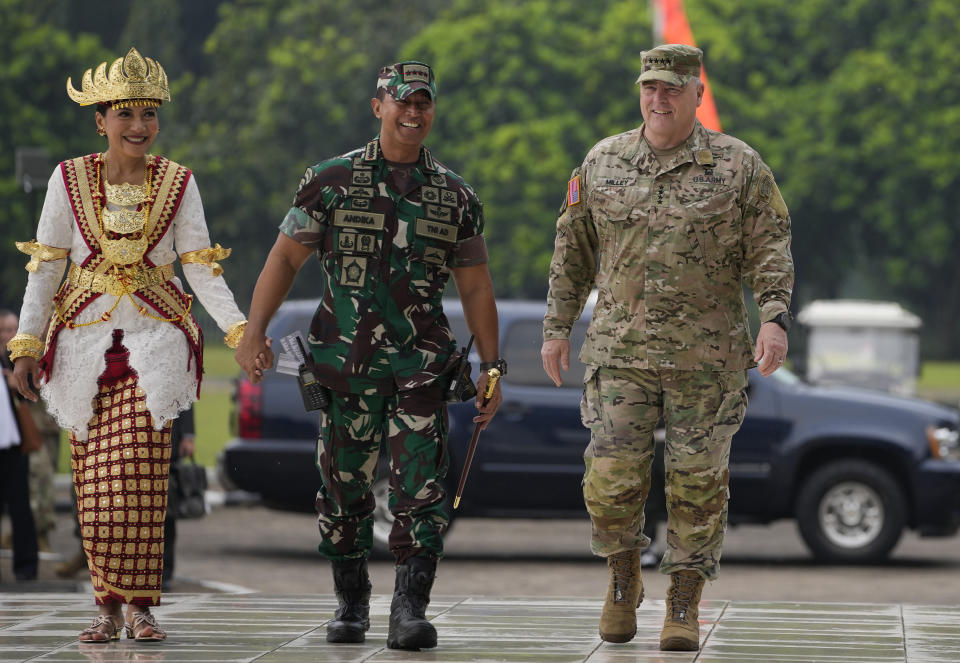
x=133, y=81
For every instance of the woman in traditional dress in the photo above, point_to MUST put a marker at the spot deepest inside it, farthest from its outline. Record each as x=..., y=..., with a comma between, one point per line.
x=123, y=354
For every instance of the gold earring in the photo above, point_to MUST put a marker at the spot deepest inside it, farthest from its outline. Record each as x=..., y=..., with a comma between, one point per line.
x=101, y=132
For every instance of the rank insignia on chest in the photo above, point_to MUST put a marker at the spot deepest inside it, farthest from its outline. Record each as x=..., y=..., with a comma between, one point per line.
x=573, y=191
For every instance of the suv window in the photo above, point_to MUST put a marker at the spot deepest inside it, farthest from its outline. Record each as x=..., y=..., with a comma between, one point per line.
x=522, y=353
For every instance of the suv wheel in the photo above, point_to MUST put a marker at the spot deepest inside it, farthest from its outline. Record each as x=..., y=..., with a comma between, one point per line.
x=851, y=511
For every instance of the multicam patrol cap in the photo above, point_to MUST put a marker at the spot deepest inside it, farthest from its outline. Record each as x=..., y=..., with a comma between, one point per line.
x=676, y=64
x=402, y=79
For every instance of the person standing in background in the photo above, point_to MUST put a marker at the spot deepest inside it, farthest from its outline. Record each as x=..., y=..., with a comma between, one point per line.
x=14, y=469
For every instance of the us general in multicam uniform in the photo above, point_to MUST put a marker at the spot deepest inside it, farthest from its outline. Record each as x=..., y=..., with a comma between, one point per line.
x=386, y=236
x=667, y=247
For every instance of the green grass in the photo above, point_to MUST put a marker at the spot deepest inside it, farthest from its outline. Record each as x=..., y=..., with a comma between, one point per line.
x=939, y=375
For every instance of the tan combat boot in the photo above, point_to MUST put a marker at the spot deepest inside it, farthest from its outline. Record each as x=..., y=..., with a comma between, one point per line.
x=618, y=620
x=681, y=630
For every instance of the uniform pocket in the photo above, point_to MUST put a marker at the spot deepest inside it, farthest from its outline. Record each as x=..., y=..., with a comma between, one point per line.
x=715, y=225
x=733, y=405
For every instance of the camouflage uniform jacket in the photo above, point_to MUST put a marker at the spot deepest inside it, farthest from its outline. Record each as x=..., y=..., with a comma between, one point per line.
x=667, y=247
x=386, y=238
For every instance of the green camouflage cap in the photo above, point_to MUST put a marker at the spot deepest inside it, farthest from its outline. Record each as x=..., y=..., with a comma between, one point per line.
x=402, y=79
x=676, y=64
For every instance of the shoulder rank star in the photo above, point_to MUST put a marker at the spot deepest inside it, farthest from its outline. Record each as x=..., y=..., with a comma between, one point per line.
x=573, y=191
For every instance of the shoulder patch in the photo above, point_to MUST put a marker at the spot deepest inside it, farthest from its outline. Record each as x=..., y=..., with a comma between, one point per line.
x=573, y=191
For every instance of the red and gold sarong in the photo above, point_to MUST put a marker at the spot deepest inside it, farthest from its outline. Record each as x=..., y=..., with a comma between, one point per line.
x=120, y=474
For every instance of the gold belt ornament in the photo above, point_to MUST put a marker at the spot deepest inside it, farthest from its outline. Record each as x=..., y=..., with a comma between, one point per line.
x=120, y=281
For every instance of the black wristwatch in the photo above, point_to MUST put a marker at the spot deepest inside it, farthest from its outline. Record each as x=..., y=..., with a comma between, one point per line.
x=783, y=319
x=499, y=364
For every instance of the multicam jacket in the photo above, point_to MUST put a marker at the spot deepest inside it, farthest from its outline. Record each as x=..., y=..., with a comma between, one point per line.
x=667, y=247
x=386, y=237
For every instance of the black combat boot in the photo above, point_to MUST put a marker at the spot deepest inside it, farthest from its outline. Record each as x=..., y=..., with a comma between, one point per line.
x=352, y=585
x=409, y=628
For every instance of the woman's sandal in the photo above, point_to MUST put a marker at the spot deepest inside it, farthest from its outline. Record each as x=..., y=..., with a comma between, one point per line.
x=103, y=629
x=144, y=628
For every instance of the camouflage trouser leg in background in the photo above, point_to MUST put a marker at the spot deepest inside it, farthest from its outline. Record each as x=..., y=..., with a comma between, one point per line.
x=701, y=411
x=414, y=426
x=42, y=498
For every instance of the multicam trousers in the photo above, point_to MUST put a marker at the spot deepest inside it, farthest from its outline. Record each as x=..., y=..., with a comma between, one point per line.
x=414, y=426
x=701, y=411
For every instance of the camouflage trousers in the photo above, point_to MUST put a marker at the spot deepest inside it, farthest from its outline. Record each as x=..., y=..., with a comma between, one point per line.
x=413, y=425
x=701, y=411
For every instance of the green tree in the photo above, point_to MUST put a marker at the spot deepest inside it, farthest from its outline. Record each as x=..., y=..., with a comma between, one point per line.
x=524, y=90
x=852, y=104
x=36, y=60
x=289, y=84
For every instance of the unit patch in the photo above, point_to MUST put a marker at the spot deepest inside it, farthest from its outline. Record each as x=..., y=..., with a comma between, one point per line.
x=573, y=191
x=443, y=231
x=438, y=180
x=352, y=242
x=357, y=219
x=353, y=271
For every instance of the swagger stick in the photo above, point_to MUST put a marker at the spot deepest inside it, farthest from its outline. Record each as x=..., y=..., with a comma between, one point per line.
x=492, y=376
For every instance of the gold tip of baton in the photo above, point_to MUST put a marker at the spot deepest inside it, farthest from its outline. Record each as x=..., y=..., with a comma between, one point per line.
x=493, y=375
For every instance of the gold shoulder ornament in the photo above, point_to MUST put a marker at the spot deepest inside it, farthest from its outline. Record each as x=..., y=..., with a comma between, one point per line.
x=208, y=257
x=40, y=253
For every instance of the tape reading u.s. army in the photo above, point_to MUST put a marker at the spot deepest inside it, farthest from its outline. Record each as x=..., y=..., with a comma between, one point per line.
x=434, y=230
x=351, y=218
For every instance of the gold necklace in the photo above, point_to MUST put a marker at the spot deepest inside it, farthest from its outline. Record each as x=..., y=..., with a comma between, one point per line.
x=123, y=250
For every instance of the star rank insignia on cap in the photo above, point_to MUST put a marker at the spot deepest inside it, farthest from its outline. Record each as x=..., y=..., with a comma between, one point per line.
x=573, y=191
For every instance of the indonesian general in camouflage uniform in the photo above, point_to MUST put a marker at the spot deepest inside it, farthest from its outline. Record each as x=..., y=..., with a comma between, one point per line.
x=667, y=221
x=389, y=224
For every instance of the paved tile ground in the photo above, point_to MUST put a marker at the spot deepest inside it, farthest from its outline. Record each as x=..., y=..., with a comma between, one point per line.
x=214, y=628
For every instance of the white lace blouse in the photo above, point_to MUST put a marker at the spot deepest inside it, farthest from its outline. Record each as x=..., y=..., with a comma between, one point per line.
x=158, y=350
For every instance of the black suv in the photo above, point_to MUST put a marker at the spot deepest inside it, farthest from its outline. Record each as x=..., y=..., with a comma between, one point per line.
x=853, y=467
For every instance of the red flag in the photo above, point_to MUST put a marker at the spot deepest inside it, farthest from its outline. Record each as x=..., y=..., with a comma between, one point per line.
x=670, y=26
